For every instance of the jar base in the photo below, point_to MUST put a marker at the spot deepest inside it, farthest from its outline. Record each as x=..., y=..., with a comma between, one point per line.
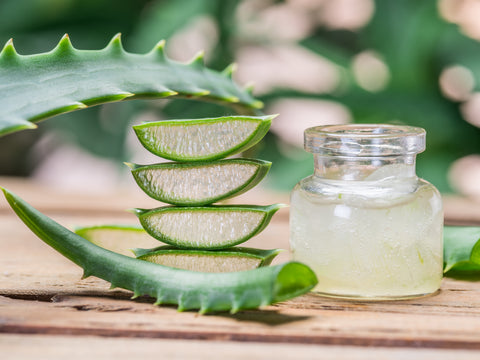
x=375, y=298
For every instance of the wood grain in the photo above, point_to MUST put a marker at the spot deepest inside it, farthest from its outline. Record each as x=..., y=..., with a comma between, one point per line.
x=305, y=320
x=44, y=302
x=27, y=347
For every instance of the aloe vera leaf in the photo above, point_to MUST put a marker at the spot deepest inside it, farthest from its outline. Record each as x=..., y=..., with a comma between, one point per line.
x=35, y=87
x=199, y=183
x=227, y=260
x=202, y=139
x=188, y=289
x=116, y=237
x=461, y=250
x=206, y=227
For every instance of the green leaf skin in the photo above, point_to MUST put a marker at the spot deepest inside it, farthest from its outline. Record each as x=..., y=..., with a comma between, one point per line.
x=142, y=173
x=461, y=250
x=263, y=257
x=149, y=141
x=188, y=289
x=149, y=221
x=35, y=87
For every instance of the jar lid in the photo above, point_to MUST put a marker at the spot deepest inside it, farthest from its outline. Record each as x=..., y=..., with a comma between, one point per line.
x=365, y=140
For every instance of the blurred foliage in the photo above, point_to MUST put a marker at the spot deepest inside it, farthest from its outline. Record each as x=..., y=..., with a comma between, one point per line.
x=416, y=45
x=414, y=42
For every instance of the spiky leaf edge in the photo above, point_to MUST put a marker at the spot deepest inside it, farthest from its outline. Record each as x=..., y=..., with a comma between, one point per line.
x=213, y=89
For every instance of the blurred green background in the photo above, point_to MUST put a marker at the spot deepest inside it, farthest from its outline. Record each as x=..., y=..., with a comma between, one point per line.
x=313, y=61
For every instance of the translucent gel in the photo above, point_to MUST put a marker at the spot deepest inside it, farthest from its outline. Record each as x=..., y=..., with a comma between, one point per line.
x=376, y=237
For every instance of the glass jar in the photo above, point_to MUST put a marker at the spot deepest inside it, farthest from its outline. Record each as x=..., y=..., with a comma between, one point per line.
x=364, y=222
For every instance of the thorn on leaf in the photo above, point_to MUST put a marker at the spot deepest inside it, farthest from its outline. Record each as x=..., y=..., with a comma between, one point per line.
x=64, y=46
x=115, y=45
x=158, y=51
x=8, y=52
x=229, y=70
x=198, y=60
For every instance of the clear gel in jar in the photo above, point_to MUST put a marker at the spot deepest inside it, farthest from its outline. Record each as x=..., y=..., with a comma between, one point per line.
x=364, y=222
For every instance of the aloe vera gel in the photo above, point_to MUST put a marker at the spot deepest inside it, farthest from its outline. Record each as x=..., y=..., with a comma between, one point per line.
x=364, y=222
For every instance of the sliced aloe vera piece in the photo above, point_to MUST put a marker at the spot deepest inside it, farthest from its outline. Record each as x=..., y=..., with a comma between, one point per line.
x=207, y=227
x=227, y=260
x=199, y=183
x=117, y=238
x=202, y=139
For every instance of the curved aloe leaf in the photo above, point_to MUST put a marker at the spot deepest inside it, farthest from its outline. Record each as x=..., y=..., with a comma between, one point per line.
x=206, y=227
x=188, y=289
x=35, y=87
x=203, y=139
x=199, y=183
x=227, y=260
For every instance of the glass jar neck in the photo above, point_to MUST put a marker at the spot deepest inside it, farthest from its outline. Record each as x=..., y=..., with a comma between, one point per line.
x=369, y=168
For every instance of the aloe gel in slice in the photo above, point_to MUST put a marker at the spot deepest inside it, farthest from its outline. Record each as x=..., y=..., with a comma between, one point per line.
x=207, y=227
x=202, y=139
x=117, y=238
x=199, y=183
x=227, y=260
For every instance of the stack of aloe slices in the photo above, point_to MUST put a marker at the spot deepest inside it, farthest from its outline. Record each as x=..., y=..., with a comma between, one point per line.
x=201, y=236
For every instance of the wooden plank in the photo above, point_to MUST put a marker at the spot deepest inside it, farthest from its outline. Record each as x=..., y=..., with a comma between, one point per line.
x=31, y=270
x=46, y=198
x=27, y=347
x=289, y=322
x=43, y=294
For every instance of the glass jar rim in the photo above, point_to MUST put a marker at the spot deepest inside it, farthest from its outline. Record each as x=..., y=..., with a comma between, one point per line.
x=365, y=140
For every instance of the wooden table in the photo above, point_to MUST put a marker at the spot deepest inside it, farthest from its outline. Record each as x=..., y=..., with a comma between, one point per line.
x=47, y=312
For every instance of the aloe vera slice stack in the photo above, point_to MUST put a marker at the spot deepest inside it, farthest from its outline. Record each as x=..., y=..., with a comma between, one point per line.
x=227, y=260
x=199, y=184
x=208, y=227
x=202, y=139
x=197, y=179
